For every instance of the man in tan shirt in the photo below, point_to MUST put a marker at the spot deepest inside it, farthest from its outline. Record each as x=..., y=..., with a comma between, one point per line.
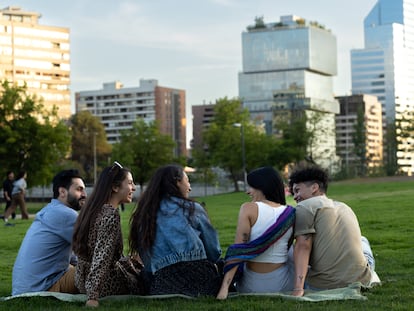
x=329, y=251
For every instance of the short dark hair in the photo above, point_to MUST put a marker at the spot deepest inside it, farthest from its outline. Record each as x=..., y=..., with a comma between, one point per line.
x=310, y=174
x=20, y=174
x=64, y=179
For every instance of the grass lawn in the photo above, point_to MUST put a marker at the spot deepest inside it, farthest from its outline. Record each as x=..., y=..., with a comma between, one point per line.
x=385, y=211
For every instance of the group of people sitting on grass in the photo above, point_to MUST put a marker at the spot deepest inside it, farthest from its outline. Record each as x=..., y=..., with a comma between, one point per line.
x=174, y=248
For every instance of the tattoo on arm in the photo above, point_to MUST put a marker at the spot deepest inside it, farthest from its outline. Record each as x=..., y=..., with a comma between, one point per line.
x=245, y=237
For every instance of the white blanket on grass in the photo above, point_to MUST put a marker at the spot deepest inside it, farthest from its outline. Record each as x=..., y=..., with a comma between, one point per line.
x=353, y=291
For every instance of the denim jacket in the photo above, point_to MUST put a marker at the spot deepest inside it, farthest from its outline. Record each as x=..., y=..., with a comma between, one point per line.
x=180, y=237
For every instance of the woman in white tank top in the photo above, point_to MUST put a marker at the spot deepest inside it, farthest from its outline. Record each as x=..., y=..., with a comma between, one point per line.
x=269, y=271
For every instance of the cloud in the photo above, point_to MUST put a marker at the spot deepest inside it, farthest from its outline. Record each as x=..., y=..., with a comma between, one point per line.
x=134, y=26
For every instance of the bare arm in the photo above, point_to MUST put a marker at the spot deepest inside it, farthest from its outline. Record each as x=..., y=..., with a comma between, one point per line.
x=247, y=216
x=301, y=254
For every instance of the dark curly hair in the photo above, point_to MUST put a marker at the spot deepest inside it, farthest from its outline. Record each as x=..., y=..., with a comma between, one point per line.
x=312, y=174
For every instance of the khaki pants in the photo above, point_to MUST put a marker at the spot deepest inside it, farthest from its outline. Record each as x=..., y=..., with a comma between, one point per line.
x=17, y=200
x=66, y=284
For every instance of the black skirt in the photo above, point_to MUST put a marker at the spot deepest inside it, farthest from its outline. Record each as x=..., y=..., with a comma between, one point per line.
x=191, y=278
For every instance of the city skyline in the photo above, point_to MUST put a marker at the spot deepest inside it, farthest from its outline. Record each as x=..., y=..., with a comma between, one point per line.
x=190, y=45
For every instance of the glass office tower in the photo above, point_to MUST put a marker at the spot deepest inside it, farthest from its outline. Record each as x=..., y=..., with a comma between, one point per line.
x=385, y=68
x=290, y=65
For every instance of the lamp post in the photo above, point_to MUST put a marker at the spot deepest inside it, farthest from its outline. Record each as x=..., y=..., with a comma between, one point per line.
x=243, y=153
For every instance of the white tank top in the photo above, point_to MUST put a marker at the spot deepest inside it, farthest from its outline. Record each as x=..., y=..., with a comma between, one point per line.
x=267, y=216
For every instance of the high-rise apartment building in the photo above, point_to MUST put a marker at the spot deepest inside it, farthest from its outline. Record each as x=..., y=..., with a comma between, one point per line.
x=118, y=109
x=385, y=68
x=288, y=66
x=203, y=115
x=36, y=55
x=359, y=134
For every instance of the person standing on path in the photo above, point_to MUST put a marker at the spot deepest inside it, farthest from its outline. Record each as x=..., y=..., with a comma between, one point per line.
x=7, y=190
x=18, y=193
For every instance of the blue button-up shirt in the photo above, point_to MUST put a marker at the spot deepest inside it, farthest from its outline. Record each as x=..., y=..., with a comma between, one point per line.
x=45, y=252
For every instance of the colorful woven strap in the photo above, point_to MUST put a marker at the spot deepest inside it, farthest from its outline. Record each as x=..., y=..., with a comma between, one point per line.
x=238, y=253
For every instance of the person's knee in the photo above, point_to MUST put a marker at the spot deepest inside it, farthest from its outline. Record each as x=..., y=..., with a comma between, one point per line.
x=66, y=284
x=369, y=255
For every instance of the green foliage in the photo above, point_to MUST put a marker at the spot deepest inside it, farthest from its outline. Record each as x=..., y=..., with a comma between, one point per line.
x=224, y=140
x=88, y=133
x=385, y=221
x=143, y=149
x=390, y=152
x=359, y=140
x=204, y=172
x=33, y=138
x=293, y=143
x=258, y=23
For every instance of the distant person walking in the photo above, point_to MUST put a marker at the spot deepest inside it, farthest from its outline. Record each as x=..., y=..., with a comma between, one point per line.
x=7, y=190
x=18, y=193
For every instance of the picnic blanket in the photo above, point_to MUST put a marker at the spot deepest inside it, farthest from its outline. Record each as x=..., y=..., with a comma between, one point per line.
x=352, y=292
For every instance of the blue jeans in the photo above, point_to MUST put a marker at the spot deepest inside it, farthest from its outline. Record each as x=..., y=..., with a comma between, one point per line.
x=366, y=248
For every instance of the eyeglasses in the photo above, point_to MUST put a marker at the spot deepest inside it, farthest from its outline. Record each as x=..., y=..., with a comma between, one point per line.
x=116, y=165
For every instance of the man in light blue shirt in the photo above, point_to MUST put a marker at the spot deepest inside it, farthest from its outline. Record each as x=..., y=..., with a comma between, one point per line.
x=43, y=261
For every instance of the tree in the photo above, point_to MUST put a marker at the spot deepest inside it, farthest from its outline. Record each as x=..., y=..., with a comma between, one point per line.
x=204, y=173
x=33, y=138
x=390, y=150
x=294, y=138
x=224, y=141
x=143, y=149
x=88, y=140
x=359, y=140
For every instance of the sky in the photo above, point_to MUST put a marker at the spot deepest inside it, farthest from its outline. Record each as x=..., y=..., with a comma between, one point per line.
x=194, y=45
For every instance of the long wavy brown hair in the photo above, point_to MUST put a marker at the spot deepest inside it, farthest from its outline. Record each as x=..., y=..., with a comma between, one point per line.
x=163, y=184
x=111, y=176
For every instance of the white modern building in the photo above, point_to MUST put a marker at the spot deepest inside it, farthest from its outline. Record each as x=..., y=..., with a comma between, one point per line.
x=36, y=55
x=119, y=107
x=289, y=65
x=385, y=68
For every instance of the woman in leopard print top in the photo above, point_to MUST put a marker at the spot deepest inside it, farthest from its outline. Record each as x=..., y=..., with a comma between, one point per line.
x=98, y=238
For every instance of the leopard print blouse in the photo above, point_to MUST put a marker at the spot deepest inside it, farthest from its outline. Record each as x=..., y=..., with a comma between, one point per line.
x=97, y=275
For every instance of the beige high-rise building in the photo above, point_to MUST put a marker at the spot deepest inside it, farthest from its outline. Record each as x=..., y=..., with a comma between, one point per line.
x=370, y=146
x=37, y=55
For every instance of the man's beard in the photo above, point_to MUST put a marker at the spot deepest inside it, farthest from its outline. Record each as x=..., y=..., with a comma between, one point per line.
x=74, y=203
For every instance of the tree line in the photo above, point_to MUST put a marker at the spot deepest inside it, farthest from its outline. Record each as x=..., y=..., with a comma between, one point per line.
x=36, y=140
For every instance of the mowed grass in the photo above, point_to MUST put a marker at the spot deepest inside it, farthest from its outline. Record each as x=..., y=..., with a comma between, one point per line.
x=385, y=211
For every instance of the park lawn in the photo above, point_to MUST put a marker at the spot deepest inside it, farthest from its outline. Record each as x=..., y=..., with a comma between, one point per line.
x=385, y=212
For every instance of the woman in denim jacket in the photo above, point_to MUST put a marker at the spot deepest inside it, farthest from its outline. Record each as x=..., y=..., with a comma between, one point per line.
x=174, y=237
